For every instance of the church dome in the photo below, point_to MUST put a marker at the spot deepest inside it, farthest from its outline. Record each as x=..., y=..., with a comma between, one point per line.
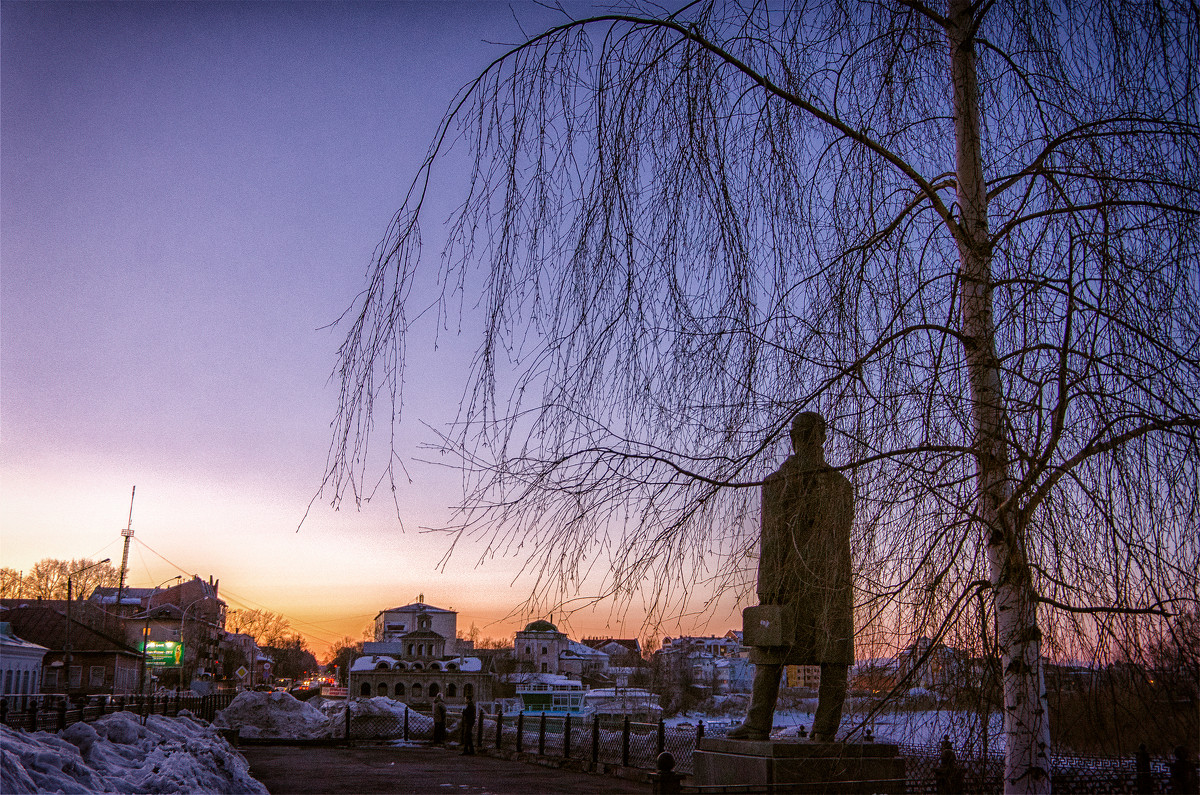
x=541, y=626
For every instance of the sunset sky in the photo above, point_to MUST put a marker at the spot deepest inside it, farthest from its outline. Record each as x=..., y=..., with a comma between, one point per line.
x=191, y=194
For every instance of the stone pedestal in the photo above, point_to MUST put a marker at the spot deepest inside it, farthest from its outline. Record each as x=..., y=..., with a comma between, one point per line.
x=800, y=766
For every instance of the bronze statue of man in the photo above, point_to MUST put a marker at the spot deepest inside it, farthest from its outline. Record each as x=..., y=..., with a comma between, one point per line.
x=806, y=607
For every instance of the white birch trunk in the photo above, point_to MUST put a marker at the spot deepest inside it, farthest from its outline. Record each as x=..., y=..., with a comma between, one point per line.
x=1026, y=721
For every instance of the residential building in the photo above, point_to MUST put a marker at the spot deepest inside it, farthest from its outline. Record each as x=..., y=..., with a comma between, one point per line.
x=804, y=677
x=728, y=645
x=20, y=666
x=625, y=652
x=101, y=663
x=190, y=614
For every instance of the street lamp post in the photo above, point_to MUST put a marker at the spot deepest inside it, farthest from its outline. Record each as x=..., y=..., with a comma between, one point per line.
x=146, y=631
x=67, y=656
x=183, y=634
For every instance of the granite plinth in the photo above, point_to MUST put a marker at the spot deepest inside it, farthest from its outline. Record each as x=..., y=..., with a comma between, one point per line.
x=800, y=766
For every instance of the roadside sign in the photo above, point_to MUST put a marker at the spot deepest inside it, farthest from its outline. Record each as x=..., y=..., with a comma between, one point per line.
x=163, y=653
x=241, y=672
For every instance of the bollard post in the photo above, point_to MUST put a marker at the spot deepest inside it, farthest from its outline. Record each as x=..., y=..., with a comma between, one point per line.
x=499, y=727
x=666, y=780
x=625, y=743
x=4, y=711
x=33, y=716
x=406, y=723
x=595, y=739
x=62, y=715
x=699, y=731
x=567, y=736
x=542, y=735
x=662, y=738
x=479, y=732
x=520, y=730
x=349, y=701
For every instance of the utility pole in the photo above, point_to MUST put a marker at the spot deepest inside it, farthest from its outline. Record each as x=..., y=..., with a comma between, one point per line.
x=128, y=534
x=67, y=656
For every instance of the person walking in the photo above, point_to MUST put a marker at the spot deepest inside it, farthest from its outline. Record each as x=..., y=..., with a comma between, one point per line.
x=468, y=727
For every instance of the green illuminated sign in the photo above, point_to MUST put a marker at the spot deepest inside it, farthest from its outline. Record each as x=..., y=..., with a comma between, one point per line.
x=163, y=653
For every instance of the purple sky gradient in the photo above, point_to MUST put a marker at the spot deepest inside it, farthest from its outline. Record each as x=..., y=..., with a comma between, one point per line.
x=190, y=192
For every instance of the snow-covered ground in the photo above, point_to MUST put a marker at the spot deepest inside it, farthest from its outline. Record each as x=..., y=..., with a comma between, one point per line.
x=118, y=754
x=917, y=727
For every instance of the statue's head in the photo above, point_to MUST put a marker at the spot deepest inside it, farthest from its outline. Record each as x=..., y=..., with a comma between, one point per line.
x=808, y=430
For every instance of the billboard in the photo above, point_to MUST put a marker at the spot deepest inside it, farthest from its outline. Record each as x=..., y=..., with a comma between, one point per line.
x=163, y=653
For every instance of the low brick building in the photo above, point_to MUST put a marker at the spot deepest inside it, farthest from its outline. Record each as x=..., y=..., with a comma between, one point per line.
x=100, y=663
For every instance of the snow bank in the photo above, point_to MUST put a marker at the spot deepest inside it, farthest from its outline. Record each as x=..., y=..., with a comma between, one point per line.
x=372, y=717
x=118, y=754
x=277, y=714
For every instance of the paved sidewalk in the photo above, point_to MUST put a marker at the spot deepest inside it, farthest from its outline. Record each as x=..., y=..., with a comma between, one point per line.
x=284, y=770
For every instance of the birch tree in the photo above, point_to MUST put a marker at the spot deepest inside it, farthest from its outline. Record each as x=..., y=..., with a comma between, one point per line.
x=965, y=233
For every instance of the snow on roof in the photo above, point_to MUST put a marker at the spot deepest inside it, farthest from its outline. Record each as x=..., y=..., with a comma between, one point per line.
x=583, y=650
x=11, y=641
x=630, y=644
x=367, y=662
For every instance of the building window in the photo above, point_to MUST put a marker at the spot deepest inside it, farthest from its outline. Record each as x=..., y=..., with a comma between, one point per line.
x=528, y=650
x=76, y=676
x=381, y=689
x=451, y=690
x=25, y=682
x=416, y=690
x=545, y=667
x=410, y=650
x=543, y=650
x=434, y=689
x=96, y=676
x=8, y=681
x=468, y=690
x=365, y=690
x=399, y=689
x=383, y=666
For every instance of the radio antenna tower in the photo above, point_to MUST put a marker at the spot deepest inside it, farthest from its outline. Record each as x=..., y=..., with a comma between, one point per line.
x=128, y=534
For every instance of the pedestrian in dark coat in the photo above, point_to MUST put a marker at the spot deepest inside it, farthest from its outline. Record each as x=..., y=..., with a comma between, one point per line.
x=439, y=720
x=468, y=727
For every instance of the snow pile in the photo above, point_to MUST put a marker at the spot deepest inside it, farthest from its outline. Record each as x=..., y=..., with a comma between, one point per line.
x=118, y=754
x=373, y=717
x=277, y=714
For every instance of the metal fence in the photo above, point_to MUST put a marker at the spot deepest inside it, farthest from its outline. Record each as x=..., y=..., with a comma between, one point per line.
x=55, y=712
x=1070, y=774
x=589, y=740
